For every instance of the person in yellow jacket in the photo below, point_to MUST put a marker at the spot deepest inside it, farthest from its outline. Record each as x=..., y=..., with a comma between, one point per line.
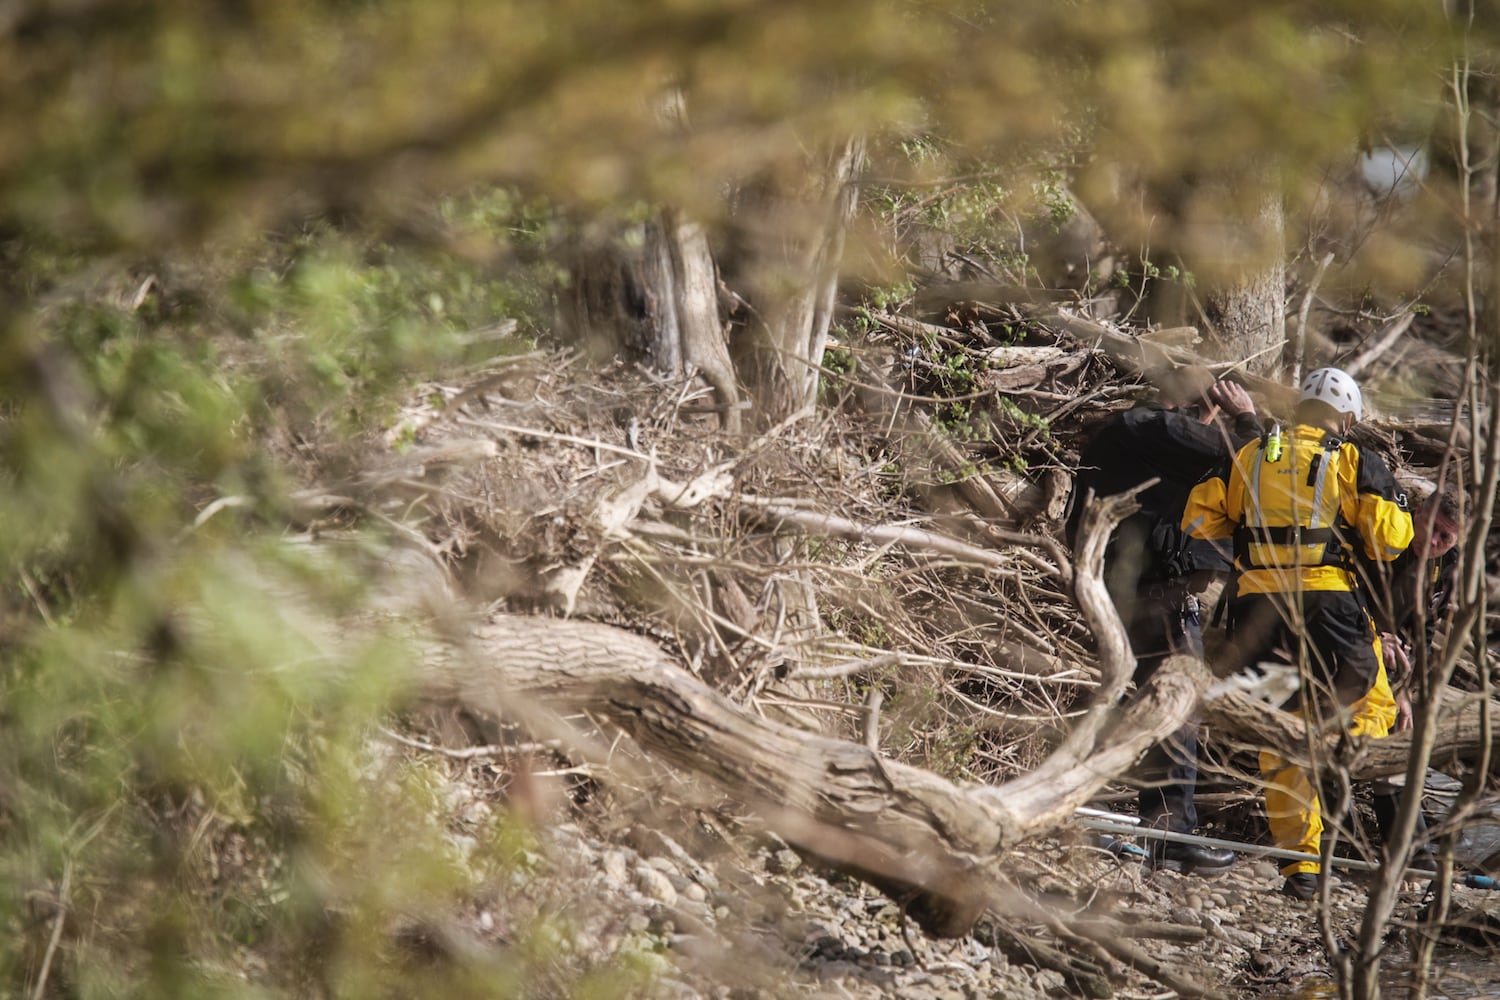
x=1296, y=504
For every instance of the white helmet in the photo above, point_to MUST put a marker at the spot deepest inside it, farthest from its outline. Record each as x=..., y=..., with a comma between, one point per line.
x=1335, y=387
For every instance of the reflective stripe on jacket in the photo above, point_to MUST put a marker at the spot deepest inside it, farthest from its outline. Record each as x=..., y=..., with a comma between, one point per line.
x=1294, y=519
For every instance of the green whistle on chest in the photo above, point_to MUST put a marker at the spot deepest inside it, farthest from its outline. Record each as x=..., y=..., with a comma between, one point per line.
x=1273, y=445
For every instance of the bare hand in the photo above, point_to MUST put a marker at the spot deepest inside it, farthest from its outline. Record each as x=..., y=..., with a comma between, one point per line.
x=1403, y=711
x=1393, y=651
x=1231, y=397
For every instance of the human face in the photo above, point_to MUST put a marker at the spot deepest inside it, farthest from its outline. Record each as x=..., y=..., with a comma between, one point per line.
x=1441, y=536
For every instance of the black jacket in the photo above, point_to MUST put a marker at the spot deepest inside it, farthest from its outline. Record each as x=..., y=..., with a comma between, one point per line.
x=1397, y=594
x=1149, y=547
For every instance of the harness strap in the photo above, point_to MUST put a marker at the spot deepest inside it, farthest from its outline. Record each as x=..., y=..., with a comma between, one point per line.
x=1289, y=534
x=1329, y=536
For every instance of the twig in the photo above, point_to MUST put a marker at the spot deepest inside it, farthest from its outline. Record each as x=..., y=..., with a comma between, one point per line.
x=492, y=425
x=1116, y=947
x=838, y=670
x=707, y=616
x=1222, y=370
x=29, y=585
x=1387, y=337
x=794, y=702
x=467, y=753
x=919, y=538
x=222, y=503
x=1299, y=343
x=911, y=946
x=57, y=929
x=873, y=701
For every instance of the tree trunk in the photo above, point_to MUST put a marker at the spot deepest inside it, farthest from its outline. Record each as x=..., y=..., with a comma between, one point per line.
x=657, y=298
x=689, y=334
x=1461, y=736
x=1246, y=309
x=792, y=255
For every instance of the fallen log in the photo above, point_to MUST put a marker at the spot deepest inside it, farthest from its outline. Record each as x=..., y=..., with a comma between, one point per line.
x=1460, y=737
x=1140, y=355
x=921, y=838
x=925, y=841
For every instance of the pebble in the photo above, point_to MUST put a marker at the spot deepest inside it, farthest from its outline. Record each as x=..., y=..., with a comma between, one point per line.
x=1243, y=939
x=783, y=862
x=655, y=885
x=835, y=970
x=688, y=944
x=616, y=866
x=790, y=926
x=664, y=865
x=1049, y=980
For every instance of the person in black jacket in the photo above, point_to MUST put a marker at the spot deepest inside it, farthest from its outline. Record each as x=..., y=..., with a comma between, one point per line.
x=1409, y=601
x=1421, y=577
x=1154, y=571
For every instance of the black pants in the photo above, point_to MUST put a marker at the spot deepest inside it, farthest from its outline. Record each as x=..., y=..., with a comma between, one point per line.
x=1161, y=628
x=1331, y=625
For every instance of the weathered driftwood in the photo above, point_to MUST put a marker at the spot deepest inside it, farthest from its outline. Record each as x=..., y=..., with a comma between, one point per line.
x=921, y=838
x=1013, y=368
x=916, y=835
x=832, y=526
x=1172, y=336
x=1382, y=343
x=1459, y=736
x=1140, y=355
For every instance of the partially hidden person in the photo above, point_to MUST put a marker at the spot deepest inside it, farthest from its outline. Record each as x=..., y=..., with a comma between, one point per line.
x=1409, y=600
x=1154, y=571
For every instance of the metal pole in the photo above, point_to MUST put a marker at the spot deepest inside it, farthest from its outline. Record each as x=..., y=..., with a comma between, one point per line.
x=1133, y=828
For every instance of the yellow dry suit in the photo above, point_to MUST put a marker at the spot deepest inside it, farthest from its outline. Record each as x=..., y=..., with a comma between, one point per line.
x=1295, y=517
x=1296, y=505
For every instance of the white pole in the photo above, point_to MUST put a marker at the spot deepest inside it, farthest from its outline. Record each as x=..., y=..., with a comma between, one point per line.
x=1132, y=827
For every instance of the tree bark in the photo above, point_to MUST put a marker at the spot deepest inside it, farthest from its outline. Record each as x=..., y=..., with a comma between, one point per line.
x=1247, y=317
x=791, y=269
x=689, y=334
x=657, y=299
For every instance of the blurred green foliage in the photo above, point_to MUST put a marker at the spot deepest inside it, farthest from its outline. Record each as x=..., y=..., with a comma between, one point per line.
x=234, y=235
x=167, y=681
